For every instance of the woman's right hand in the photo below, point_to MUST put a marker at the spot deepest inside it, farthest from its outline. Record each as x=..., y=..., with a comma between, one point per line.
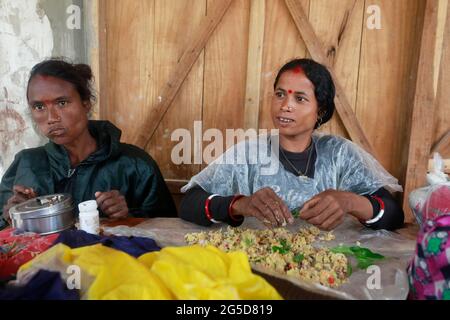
x=266, y=206
x=21, y=194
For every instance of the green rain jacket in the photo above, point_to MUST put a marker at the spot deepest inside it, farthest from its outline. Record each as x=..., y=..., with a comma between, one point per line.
x=114, y=166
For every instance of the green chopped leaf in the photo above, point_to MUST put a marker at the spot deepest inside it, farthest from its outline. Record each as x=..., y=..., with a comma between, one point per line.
x=299, y=258
x=278, y=249
x=248, y=242
x=283, y=249
x=349, y=269
x=342, y=249
x=296, y=213
x=365, y=253
x=364, y=256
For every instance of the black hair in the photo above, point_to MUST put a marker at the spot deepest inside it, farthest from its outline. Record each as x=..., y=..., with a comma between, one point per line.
x=320, y=77
x=80, y=75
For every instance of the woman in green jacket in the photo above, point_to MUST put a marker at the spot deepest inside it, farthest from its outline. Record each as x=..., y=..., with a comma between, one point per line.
x=84, y=158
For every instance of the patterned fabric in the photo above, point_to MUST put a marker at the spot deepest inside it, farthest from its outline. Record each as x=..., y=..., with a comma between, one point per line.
x=15, y=250
x=429, y=272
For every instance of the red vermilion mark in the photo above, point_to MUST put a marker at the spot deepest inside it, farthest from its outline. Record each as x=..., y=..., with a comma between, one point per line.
x=297, y=70
x=330, y=280
x=289, y=91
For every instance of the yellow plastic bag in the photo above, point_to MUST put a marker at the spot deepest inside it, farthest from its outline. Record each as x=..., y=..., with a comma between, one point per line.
x=113, y=274
x=196, y=272
x=192, y=272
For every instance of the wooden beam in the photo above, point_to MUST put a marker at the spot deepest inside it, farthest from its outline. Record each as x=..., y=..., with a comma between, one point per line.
x=190, y=55
x=254, y=63
x=425, y=98
x=318, y=53
x=442, y=146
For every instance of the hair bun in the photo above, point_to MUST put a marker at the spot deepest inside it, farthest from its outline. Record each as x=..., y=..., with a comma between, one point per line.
x=84, y=71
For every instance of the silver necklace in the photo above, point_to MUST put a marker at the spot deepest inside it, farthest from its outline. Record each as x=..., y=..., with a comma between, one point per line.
x=298, y=172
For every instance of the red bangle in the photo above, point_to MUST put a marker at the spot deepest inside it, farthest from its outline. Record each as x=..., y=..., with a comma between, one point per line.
x=207, y=212
x=380, y=201
x=230, y=208
x=379, y=214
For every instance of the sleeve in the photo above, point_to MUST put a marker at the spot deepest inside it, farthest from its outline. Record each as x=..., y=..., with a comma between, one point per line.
x=192, y=208
x=393, y=216
x=150, y=196
x=361, y=173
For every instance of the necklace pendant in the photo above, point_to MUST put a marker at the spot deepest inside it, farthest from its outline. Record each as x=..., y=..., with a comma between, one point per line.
x=302, y=177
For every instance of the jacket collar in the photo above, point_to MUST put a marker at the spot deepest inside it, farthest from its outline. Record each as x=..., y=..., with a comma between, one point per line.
x=108, y=141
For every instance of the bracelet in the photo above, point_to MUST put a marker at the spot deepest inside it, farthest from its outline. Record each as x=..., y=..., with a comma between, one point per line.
x=207, y=212
x=380, y=213
x=230, y=208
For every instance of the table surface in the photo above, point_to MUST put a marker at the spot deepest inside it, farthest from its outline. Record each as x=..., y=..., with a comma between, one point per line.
x=409, y=230
x=170, y=231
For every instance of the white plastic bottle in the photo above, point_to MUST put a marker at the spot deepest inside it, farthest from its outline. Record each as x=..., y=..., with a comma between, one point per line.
x=89, y=217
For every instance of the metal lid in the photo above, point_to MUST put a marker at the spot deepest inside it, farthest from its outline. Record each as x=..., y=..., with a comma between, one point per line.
x=43, y=206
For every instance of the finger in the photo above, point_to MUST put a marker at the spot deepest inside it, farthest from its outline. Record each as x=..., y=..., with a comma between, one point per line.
x=307, y=206
x=20, y=189
x=120, y=215
x=286, y=213
x=254, y=212
x=282, y=215
x=281, y=207
x=32, y=194
x=320, y=205
x=103, y=197
x=16, y=199
x=321, y=212
x=274, y=203
x=264, y=212
x=324, y=216
x=113, y=202
x=268, y=212
x=110, y=202
x=308, y=211
x=333, y=222
x=114, y=208
x=275, y=210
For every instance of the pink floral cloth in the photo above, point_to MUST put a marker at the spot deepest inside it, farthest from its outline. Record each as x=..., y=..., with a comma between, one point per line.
x=15, y=250
x=429, y=271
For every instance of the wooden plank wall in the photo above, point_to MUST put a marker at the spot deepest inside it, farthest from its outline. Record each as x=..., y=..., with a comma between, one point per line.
x=377, y=68
x=442, y=119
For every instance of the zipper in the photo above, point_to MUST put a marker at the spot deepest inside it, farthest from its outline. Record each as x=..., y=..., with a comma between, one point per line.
x=71, y=172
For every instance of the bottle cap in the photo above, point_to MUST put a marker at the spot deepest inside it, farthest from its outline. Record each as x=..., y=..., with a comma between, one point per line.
x=87, y=206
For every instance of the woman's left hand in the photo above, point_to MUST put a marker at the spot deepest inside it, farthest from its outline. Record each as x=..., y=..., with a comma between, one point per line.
x=327, y=209
x=113, y=204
